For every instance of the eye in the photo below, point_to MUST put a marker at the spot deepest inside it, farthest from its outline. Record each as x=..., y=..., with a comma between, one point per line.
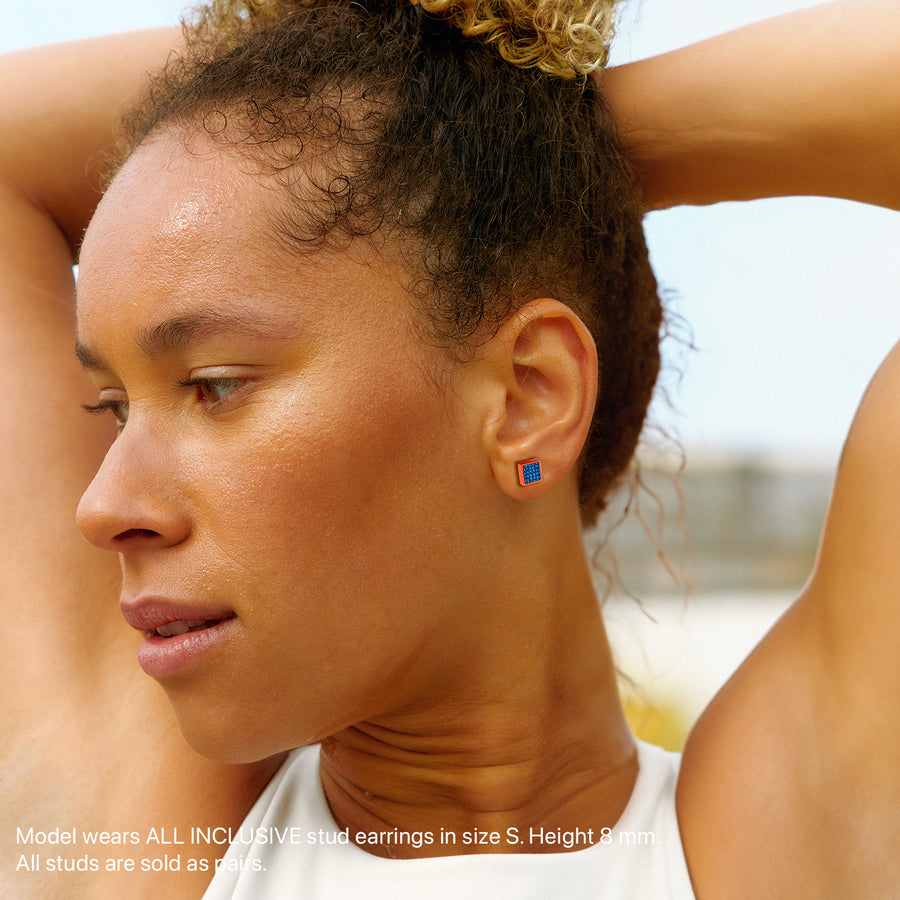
x=119, y=409
x=213, y=391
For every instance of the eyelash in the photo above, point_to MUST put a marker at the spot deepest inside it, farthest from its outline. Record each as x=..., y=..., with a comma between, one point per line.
x=114, y=406
x=119, y=407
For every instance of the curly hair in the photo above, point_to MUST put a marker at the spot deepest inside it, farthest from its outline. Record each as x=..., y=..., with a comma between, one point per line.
x=500, y=182
x=560, y=37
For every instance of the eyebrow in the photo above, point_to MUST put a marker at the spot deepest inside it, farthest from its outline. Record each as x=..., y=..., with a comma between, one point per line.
x=90, y=361
x=179, y=332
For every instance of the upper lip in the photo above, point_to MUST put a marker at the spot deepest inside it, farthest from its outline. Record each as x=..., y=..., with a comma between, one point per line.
x=150, y=613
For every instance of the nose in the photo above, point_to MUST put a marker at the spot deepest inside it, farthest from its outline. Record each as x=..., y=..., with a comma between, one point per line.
x=133, y=500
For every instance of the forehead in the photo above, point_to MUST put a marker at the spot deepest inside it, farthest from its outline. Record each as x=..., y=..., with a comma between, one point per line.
x=171, y=202
x=182, y=225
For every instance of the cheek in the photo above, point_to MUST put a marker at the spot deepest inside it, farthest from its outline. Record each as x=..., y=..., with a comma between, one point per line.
x=340, y=487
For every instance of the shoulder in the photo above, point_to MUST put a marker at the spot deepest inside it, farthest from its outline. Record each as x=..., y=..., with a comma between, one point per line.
x=791, y=779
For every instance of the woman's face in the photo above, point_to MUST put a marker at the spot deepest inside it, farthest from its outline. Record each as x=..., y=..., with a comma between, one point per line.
x=289, y=484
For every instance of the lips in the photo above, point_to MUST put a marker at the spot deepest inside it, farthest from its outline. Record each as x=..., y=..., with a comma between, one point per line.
x=177, y=635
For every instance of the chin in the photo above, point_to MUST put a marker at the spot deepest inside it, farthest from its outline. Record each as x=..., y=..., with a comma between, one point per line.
x=228, y=734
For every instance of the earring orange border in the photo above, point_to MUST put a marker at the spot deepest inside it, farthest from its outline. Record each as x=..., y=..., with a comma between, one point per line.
x=529, y=476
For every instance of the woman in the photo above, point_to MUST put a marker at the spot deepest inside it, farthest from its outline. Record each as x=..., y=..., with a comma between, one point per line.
x=285, y=401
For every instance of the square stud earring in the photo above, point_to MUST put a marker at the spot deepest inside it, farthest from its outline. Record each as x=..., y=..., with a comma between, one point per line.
x=529, y=471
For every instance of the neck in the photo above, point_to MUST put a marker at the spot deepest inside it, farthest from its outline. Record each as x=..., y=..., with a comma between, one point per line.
x=528, y=734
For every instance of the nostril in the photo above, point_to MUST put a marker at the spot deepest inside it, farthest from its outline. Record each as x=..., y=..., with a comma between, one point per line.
x=134, y=533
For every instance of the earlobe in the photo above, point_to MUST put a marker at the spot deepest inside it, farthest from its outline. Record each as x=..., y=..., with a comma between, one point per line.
x=544, y=361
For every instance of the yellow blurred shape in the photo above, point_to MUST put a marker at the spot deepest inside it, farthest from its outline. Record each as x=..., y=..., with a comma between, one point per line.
x=657, y=720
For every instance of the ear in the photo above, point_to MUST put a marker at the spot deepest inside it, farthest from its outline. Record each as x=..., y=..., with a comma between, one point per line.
x=543, y=387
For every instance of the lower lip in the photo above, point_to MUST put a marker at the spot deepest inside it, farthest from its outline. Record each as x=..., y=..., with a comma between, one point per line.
x=161, y=656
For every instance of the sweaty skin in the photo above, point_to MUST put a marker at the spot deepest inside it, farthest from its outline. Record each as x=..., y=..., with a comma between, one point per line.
x=316, y=493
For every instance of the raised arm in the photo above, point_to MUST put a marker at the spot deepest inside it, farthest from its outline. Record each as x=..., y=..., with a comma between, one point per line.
x=57, y=108
x=803, y=104
x=86, y=739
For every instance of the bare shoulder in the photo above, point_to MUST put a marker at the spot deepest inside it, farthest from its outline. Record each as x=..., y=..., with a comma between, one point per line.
x=790, y=783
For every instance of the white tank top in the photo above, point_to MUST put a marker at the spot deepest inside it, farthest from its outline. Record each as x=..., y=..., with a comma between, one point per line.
x=290, y=847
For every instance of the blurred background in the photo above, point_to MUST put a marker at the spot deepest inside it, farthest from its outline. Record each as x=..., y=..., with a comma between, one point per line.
x=787, y=307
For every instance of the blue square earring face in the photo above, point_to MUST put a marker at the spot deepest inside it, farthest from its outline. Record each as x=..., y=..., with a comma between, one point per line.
x=529, y=471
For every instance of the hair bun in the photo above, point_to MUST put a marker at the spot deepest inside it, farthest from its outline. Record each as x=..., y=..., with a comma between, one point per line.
x=560, y=37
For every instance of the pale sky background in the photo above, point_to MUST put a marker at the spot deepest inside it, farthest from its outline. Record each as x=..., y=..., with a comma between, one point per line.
x=793, y=302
